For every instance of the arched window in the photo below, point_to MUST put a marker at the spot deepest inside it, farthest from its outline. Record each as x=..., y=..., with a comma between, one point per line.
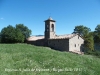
x=52, y=27
x=78, y=37
x=75, y=45
x=47, y=26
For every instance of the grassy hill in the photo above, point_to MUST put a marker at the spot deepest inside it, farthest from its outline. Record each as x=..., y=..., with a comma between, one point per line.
x=24, y=59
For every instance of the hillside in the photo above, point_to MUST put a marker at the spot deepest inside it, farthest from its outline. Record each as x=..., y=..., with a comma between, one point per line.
x=24, y=59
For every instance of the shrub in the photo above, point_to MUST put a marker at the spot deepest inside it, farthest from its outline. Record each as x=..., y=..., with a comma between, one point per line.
x=10, y=34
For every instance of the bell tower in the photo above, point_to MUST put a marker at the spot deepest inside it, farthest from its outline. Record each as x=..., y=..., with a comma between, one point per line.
x=49, y=28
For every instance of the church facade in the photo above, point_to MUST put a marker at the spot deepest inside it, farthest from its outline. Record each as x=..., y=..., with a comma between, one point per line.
x=68, y=42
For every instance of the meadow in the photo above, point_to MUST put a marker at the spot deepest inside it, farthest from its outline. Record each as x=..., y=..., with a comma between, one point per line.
x=25, y=59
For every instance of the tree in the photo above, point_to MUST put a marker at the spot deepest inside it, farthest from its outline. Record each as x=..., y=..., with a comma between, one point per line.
x=97, y=28
x=25, y=31
x=19, y=36
x=7, y=34
x=82, y=30
x=10, y=34
x=97, y=34
x=86, y=33
x=0, y=37
x=89, y=41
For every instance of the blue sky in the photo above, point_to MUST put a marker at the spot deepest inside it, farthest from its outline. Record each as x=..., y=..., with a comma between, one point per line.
x=67, y=13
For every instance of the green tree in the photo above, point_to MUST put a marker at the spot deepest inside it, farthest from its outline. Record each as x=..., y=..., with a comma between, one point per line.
x=0, y=37
x=97, y=34
x=10, y=34
x=7, y=34
x=86, y=33
x=89, y=41
x=82, y=30
x=24, y=29
x=19, y=36
x=97, y=28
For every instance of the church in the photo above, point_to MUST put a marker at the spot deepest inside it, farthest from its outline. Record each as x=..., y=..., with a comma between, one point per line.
x=69, y=42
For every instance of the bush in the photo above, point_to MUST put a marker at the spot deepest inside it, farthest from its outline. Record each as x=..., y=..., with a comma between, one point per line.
x=10, y=34
x=16, y=34
x=0, y=40
x=19, y=36
x=94, y=52
x=24, y=30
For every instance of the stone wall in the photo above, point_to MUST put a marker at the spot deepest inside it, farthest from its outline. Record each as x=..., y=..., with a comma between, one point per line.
x=75, y=43
x=59, y=44
x=40, y=42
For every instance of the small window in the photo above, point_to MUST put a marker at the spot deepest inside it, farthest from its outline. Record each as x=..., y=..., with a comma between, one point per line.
x=52, y=27
x=78, y=37
x=75, y=45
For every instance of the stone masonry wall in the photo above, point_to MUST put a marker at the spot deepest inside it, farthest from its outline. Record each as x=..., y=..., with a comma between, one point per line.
x=59, y=44
x=75, y=43
x=40, y=42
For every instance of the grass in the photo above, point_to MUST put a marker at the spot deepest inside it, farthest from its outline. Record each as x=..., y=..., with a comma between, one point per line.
x=24, y=59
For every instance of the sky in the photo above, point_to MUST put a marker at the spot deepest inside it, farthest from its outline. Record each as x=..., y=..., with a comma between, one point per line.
x=67, y=13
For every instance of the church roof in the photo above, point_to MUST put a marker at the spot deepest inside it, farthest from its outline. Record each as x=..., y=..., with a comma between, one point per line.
x=33, y=38
x=50, y=19
x=67, y=36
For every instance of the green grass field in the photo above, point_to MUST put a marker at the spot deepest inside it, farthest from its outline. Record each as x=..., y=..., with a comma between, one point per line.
x=24, y=59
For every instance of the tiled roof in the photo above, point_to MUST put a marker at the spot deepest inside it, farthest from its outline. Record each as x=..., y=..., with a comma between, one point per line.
x=33, y=38
x=67, y=36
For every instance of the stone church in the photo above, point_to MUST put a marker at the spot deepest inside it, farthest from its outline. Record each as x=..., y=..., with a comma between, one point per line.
x=68, y=42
